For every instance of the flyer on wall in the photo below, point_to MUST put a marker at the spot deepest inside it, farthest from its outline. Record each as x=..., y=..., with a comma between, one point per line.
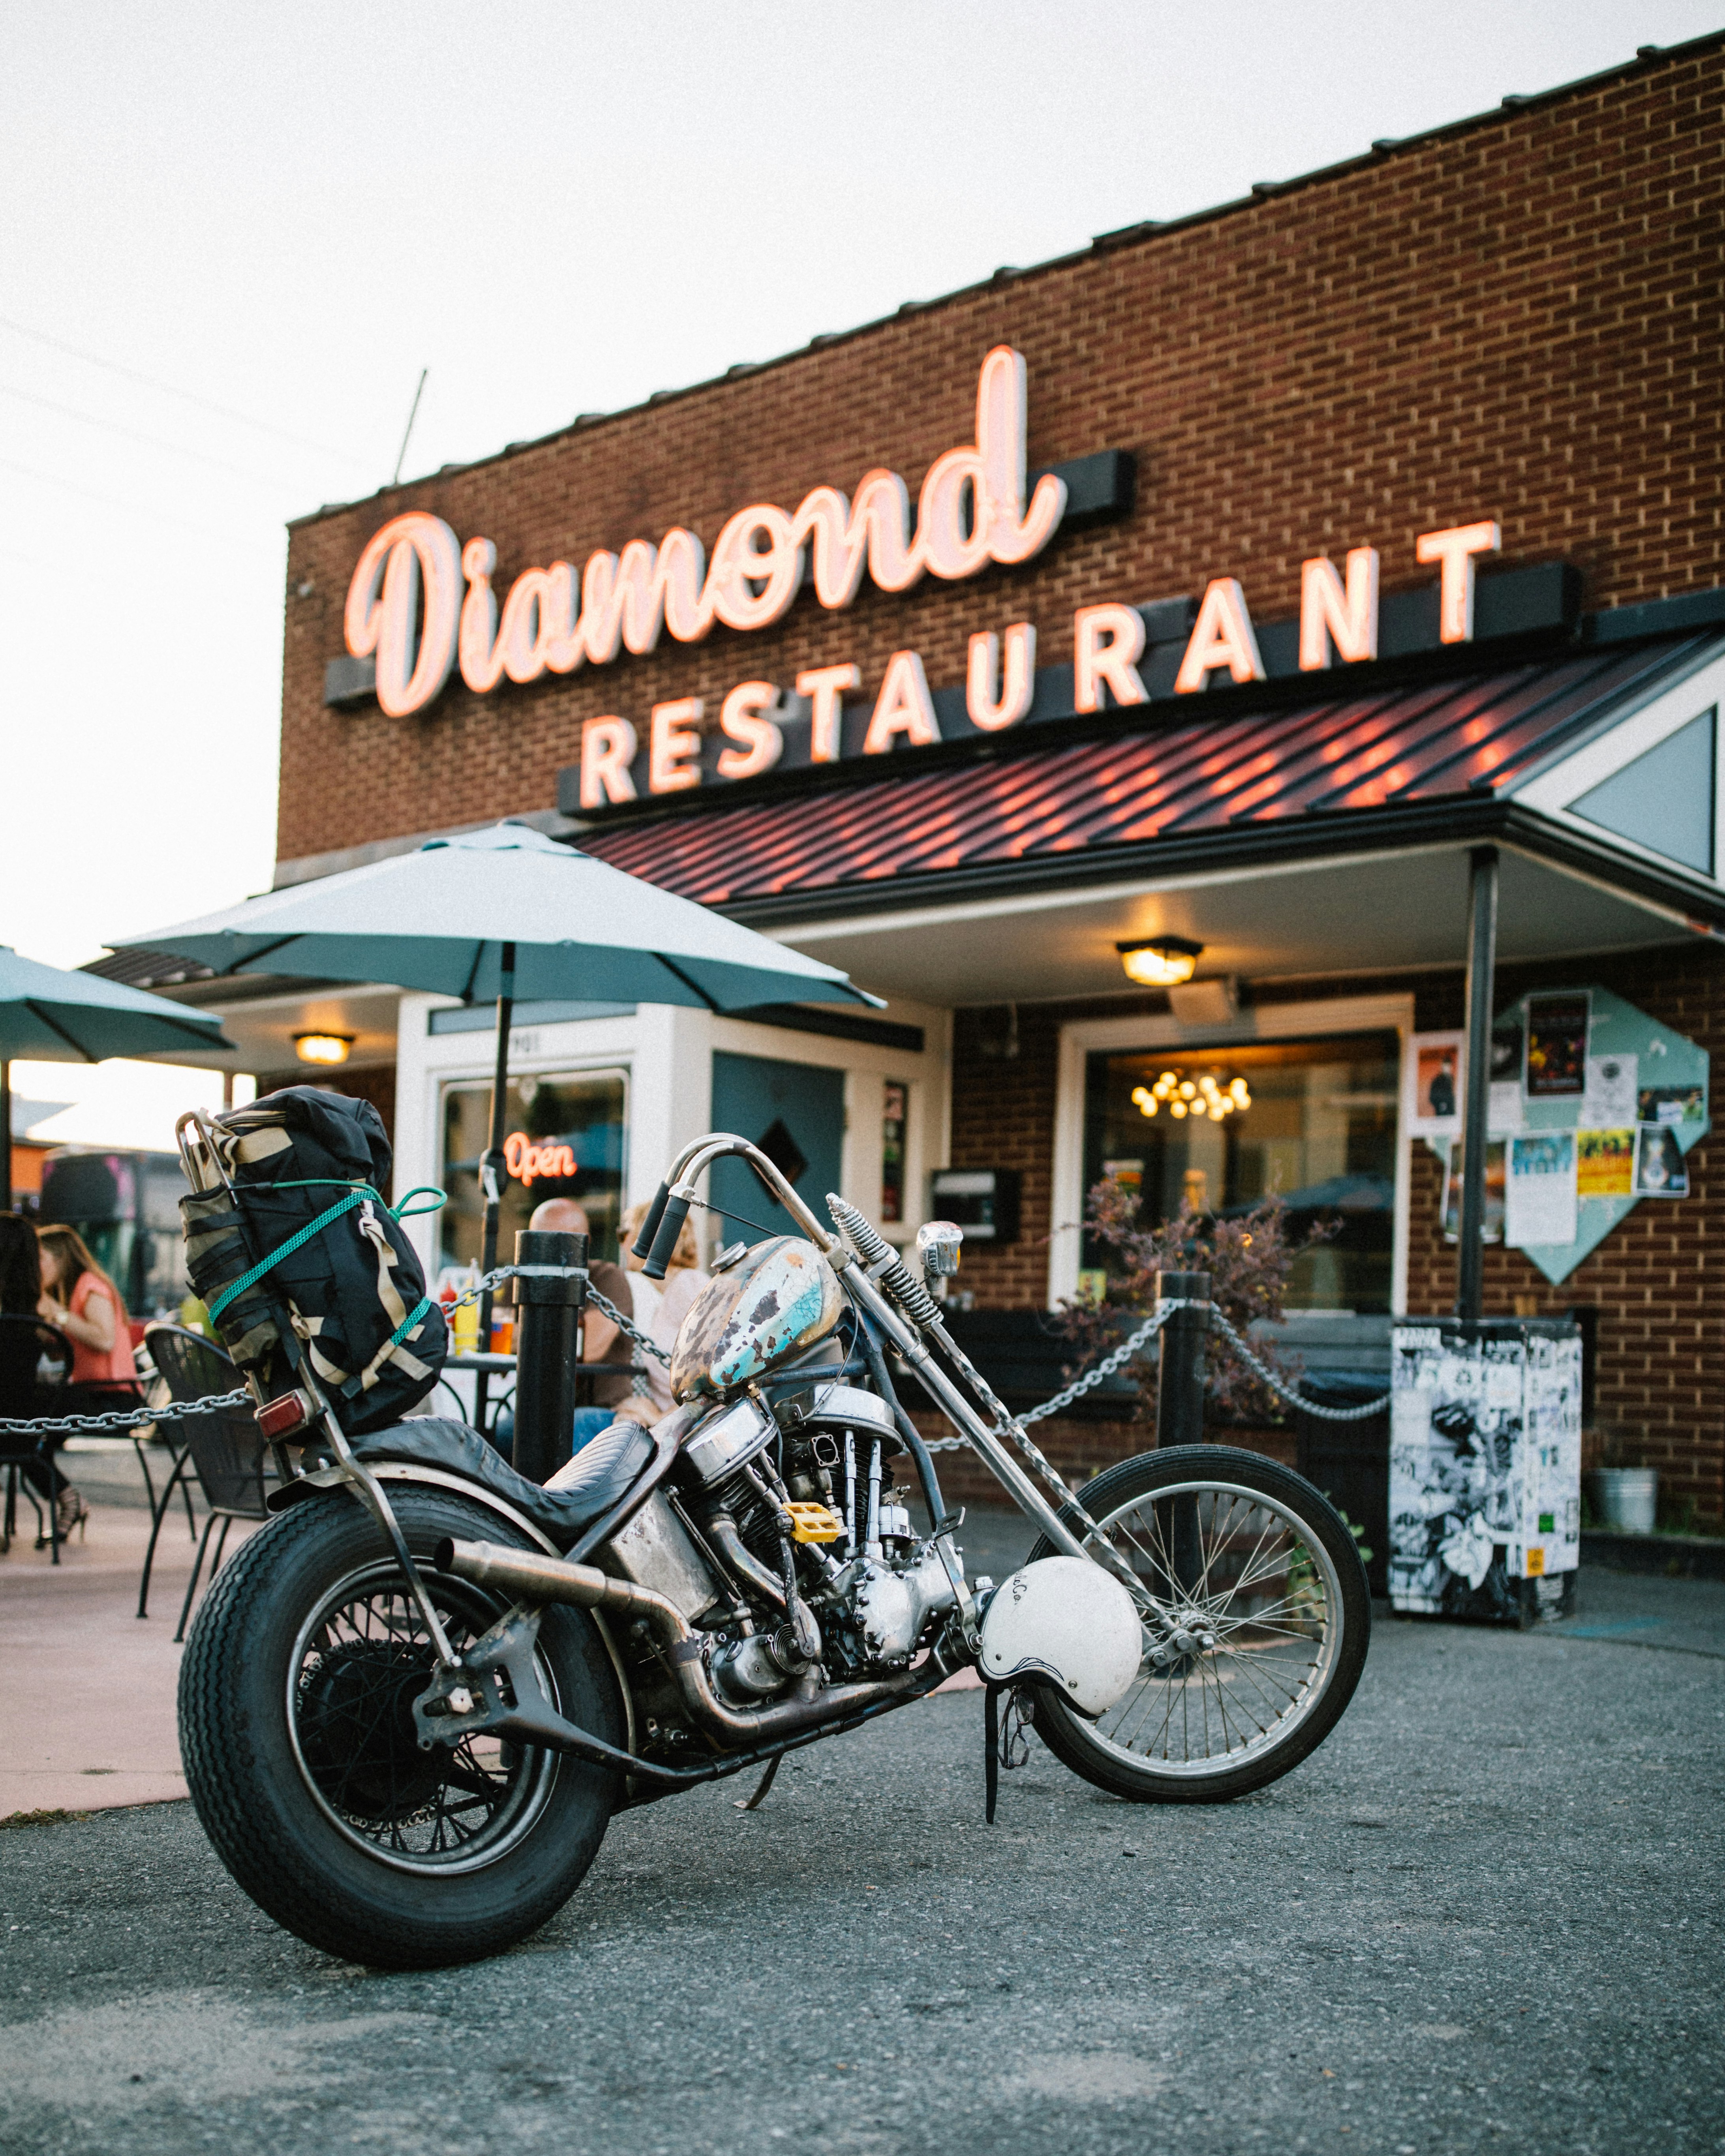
x=1539, y=1198
x=1608, y=1100
x=1432, y=1082
x=1671, y=1104
x=1605, y=1163
x=1661, y=1169
x=1556, y=1068
x=1493, y=1231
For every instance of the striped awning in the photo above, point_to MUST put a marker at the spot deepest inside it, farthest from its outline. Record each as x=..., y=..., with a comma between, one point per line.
x=1410, y=746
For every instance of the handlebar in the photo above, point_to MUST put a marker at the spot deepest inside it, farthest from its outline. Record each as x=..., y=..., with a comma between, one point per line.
x=658, y=1237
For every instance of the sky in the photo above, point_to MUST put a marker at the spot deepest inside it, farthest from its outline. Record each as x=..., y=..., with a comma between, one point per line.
x=234, y=236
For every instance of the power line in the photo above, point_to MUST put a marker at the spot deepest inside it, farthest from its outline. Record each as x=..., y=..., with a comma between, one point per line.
x=113, y=501
x=171, y=389
x=135, y=435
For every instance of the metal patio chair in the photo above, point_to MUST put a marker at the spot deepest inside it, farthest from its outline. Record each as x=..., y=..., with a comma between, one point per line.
x=223, y=1452
x=29, y=1350
x=230, y=1457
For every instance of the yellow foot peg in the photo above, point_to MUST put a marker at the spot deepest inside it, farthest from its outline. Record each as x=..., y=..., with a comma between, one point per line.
x=814, y=1523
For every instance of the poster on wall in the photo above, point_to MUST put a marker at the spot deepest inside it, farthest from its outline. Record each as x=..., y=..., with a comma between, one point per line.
x=1605, y=1163
x=1608, y=1098
x=1557, y=1031
x=1432, y=1081
x=1671, y=1104
x=1539, y=1192
x=1493, y=1230
x=1661, y=1170
x=1603, y=1074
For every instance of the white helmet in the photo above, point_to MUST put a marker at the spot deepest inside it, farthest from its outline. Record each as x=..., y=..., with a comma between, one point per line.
x=1068, y=1620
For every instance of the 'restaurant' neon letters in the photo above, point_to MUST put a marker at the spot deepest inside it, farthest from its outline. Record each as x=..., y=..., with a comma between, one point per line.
x=822, y=686
x=1456, y=549
x=985, y=707
x=1221, y=636
x=1327, y=613
x=903, y=706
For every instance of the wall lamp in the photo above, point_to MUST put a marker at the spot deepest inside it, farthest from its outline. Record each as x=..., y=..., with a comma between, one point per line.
x=1163, y=962
x=322, y=1047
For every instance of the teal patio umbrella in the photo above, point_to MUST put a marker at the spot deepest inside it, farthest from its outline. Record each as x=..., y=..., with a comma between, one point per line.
x=510, y=914
x=49, y=1016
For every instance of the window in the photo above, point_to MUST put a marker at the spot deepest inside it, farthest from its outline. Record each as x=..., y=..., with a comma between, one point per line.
x=894, y=1099
x=566, y=1140
x=1313, y=1121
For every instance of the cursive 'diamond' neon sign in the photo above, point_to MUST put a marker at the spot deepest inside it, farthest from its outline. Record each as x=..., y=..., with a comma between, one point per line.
x=420, y=603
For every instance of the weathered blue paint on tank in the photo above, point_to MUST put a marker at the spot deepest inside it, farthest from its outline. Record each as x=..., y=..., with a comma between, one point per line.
x=780, y=1298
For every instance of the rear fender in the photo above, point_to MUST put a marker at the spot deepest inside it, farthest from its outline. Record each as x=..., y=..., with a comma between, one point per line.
x=304, y=1489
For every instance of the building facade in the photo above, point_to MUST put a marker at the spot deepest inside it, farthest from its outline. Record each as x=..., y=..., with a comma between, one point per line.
x=1223, y=588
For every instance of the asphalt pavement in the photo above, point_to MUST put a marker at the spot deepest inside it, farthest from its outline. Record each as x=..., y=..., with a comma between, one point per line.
x=1486, y=1915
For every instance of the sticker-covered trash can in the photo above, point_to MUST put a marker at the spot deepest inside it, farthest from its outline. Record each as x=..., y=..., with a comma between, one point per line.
x=1484, y=1468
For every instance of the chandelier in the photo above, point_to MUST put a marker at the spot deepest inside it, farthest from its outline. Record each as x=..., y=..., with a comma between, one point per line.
x=1204, y=1095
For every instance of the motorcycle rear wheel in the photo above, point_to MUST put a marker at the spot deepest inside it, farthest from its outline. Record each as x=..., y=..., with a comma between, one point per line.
x=1266, y=1586
x=298, y=1739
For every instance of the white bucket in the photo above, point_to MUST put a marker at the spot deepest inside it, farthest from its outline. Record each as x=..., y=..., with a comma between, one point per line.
x=1628, y=1497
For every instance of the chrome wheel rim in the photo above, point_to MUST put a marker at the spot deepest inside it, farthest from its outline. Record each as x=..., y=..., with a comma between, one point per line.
x=361, y=1658
x=1242, y=1626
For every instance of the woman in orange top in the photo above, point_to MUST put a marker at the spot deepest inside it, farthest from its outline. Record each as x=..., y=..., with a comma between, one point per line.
x=79, y=1297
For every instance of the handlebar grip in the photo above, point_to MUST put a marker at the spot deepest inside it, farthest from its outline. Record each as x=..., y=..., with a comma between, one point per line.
x=671, y=1226
x=650, y=1226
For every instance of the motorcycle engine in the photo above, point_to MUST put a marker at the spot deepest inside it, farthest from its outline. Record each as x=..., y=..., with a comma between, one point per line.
x=871, y=1592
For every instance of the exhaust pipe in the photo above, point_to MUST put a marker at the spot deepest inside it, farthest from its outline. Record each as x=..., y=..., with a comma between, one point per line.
x=527, y=1576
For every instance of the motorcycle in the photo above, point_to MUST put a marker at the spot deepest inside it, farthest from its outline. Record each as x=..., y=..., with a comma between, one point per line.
x=412, y=1702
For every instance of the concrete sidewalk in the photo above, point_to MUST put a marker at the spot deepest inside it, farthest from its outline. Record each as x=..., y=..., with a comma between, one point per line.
x=86, y=1691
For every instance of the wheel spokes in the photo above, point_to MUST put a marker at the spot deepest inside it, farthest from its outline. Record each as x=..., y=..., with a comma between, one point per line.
x=1245, y=1579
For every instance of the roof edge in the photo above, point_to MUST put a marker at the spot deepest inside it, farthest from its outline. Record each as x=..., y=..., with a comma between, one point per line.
x=1646, y=59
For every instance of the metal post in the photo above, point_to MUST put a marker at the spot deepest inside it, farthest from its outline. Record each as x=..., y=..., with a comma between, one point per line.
x=1180, y=1371
x=6, y=1129
x=491, y=1166
x=547, y=1314
x=1179, y=1421
x=1481, y=963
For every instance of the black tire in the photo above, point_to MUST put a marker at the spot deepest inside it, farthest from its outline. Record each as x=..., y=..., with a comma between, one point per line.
x=328, y=1815
x=1331, y=1579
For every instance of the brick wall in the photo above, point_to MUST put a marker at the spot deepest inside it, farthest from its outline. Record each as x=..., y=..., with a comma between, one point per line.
x=1658, y=1278
x=1520, y=317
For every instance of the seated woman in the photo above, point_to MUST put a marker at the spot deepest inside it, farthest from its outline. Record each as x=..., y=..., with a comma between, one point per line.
x=78, y=1298
x=20, y=1359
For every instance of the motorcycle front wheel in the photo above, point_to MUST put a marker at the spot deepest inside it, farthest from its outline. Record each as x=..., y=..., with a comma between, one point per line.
x=298, y=1739
x=1257, y=1620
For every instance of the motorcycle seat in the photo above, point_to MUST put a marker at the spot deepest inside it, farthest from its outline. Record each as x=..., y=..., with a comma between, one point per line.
x=601, y=1474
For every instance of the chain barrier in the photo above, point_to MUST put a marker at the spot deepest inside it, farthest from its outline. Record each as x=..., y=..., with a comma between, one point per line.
x=1124, y=1353
x=1262, y=1371
x=1016, y=1428
x=139, y=1418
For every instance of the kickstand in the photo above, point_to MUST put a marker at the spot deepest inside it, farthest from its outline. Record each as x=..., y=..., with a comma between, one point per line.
x=753, y=1803
x=991, y=1742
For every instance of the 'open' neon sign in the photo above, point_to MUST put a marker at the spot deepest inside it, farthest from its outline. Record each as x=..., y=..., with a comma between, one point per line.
x=527, y=1162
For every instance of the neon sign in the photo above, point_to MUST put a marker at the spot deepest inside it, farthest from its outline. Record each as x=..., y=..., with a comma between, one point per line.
x=1338, y=619
x=526, y=1161
x=420, y=603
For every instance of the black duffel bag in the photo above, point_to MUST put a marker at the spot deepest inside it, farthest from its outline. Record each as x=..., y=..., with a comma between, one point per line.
x=312, y=1244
